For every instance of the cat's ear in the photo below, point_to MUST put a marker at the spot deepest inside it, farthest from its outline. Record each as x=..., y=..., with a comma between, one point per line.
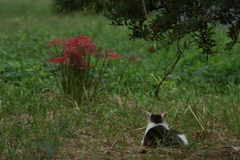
x=164, y=115
x=148, y=114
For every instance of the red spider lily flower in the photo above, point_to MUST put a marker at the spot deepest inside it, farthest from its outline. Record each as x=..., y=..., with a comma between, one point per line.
x=79, y=45
x=74, y=51
x=113, y=55
x=54, y=42
x=85, y=38
x=62, y=60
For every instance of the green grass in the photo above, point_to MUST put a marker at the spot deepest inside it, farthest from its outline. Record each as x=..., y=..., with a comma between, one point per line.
x=37, y=122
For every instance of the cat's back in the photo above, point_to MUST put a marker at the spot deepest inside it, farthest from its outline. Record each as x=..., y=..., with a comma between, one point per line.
x=159, y=134
x=156, y=133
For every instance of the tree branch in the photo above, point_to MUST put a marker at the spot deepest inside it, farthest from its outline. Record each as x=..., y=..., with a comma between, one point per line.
x=169, y=72
x=179, y=52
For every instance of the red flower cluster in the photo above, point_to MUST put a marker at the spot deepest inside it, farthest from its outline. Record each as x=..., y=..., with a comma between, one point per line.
x=59, y=60
x=74, y=51
x=113, y=55
x=54, y=42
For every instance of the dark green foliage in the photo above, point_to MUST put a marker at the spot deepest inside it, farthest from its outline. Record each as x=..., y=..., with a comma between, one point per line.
x=174, y=19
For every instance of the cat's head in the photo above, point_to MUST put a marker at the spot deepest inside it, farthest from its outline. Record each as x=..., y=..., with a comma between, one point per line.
x=162, y=118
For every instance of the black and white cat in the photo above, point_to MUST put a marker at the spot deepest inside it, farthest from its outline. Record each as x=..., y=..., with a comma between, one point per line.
x=157, y=131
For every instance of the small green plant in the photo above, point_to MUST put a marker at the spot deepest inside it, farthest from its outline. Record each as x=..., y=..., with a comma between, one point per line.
x=82, y=65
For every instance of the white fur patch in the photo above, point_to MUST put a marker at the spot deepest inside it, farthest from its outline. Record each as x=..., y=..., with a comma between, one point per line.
x=150, y=125
x=183, y=138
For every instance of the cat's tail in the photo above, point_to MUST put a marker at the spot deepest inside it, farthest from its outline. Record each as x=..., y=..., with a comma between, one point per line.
x=183, y=139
